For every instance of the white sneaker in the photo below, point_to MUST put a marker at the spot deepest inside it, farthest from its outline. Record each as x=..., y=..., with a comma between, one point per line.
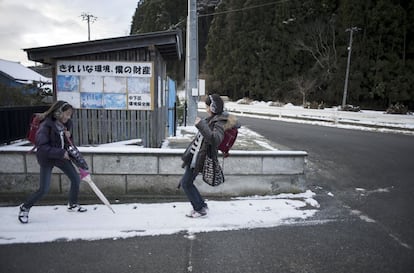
x=76, y=207
x=23, y=214
x=197, y=214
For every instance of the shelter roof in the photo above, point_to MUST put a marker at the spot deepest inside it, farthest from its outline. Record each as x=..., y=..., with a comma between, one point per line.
x=168, y=43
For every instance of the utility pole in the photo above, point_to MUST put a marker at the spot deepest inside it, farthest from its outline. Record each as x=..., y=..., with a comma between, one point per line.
x=191, y=61
x=90, y=19
x=351, y=30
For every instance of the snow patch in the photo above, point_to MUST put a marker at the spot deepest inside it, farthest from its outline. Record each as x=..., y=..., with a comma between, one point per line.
x=362, y=216
x=54, y=223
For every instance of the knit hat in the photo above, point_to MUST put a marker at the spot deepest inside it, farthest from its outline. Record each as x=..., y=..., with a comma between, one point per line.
x=216, y=103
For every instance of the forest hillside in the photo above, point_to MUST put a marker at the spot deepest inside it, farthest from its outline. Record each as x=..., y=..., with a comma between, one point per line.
x=297, y=50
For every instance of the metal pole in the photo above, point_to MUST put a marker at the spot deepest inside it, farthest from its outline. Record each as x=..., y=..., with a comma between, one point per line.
x=351, y=30
x=191, y=71
x=90, y=19
x=89, y=28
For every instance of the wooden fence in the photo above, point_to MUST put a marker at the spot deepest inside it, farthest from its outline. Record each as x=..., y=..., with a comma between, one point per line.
x=94, y=126
x=15, y=122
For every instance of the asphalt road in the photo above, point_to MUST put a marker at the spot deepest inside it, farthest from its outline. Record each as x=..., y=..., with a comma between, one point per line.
x=363, y=183
x=344, y=162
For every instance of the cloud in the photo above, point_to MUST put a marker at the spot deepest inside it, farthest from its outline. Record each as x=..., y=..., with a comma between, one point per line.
x=28, y=24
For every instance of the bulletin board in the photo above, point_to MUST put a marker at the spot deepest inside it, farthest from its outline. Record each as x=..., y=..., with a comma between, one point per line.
x=106, y=84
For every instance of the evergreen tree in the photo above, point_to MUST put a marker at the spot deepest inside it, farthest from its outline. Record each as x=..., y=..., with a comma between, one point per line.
x=161, y=15
x=297, y=50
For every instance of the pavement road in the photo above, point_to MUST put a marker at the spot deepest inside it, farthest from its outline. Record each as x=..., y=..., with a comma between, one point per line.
x=369, y=172
x=363, y=182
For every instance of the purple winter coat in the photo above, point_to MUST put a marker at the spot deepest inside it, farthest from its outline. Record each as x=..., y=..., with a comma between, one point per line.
x=49, y=144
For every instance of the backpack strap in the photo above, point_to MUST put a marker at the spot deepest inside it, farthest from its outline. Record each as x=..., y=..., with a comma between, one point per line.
x=222, y=164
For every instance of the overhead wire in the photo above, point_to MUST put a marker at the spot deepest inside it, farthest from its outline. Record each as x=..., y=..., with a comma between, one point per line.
x=245, y=8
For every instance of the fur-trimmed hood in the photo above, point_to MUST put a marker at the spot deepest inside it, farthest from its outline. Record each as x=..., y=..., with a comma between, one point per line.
x=231, y=120
x=212, y=129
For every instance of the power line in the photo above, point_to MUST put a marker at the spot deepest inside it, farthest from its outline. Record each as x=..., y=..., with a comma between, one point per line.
x=246, y=8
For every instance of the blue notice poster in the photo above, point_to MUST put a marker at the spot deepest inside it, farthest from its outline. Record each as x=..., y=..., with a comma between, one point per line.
x=67, y=83
x=91, y=100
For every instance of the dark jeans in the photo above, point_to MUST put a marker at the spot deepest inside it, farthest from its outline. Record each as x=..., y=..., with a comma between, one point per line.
x=44, y=183
x=193, y=195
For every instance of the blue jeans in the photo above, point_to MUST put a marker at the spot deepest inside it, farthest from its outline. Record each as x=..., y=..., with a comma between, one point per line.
x=193, y=195
x=44, y=183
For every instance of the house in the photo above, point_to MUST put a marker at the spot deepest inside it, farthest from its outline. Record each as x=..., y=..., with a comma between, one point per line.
x=14, y=74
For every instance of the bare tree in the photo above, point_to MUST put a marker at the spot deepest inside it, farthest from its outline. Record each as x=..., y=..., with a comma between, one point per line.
x=318, y=39
x=304, y=85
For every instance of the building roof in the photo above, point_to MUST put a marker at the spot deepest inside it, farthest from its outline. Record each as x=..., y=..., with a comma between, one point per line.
x=168, y=43
x=20, y=73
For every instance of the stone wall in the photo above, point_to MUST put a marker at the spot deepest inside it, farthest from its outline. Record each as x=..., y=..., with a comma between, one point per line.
x=156, y=172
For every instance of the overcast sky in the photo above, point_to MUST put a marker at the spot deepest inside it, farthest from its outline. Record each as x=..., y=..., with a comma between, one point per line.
x=36, y=23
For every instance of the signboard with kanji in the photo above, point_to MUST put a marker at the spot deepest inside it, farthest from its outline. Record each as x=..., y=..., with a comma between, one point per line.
x=106, y=84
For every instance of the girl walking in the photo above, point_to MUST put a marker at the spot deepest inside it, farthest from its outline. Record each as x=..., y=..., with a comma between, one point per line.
x=208, y=138
x=50, y=142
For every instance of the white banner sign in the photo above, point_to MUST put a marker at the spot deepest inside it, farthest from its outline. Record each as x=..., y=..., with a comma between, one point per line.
x=99, y=68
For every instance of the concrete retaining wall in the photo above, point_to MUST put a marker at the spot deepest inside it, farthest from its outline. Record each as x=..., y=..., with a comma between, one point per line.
x=157, y=172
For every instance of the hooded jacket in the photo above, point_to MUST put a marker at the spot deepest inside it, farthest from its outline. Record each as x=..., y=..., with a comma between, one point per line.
x=212, y=128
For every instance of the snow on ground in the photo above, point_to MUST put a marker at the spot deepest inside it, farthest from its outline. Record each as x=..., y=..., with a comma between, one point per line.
x=333, y=117
x=54, y=223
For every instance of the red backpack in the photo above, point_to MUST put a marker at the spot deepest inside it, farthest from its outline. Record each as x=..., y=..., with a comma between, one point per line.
x=34, y=126
x=230, y=136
